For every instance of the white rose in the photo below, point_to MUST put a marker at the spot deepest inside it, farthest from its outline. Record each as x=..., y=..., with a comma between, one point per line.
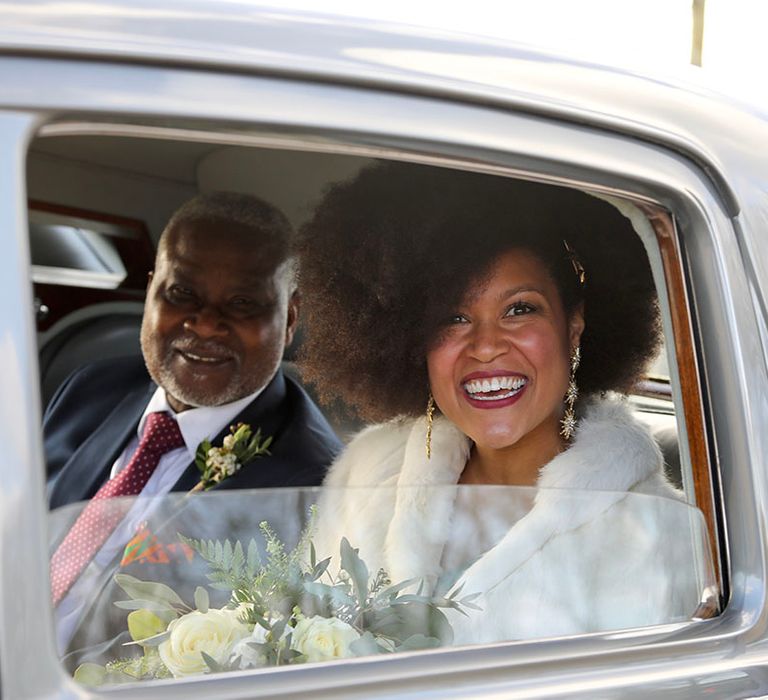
x=323, y=638
x=215, y=632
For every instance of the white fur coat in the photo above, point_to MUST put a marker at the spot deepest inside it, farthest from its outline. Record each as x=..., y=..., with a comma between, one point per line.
x=605, y=542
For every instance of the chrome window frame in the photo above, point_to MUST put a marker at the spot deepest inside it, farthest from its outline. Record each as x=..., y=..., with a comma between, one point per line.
x=238, y=108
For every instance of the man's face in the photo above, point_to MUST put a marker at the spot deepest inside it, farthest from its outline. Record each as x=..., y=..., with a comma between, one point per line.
x=218, y=315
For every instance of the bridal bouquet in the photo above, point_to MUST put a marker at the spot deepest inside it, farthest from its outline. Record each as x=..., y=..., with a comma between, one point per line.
x=284, y=608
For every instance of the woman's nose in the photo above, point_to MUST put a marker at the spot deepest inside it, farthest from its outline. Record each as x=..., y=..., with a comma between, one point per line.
x=487, y=342
x=206, y=322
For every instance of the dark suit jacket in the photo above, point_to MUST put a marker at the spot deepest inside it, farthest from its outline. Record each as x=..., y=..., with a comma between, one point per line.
x=87, y=425
x=97, y=410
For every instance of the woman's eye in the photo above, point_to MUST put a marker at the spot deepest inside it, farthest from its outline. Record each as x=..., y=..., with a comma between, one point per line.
x=457, y=318
x=520, y=308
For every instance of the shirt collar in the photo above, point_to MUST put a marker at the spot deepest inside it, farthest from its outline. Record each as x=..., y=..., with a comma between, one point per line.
x=197, y=424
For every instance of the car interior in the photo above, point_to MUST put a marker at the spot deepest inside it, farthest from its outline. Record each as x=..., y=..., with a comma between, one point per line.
x=98, y=205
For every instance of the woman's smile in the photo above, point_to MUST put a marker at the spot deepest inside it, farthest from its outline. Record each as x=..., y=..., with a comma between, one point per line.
x=493, y=389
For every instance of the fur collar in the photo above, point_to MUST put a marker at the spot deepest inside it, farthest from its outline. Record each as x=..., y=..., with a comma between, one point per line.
x=611, y=454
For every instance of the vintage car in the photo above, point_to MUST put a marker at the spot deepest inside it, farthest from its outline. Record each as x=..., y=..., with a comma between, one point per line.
x=114, y=113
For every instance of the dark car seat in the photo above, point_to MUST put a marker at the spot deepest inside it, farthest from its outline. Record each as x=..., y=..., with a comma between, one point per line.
x=109, y=335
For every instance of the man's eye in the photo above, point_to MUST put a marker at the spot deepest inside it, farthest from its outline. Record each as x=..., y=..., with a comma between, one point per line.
x=180, y=295
x=519, y=308
x=457, y=318
x=242, y=304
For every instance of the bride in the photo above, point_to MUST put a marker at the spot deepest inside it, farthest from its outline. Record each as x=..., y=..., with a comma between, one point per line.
x=490, y=328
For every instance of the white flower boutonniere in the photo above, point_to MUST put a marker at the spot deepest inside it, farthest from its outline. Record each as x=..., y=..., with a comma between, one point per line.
x=238, y=448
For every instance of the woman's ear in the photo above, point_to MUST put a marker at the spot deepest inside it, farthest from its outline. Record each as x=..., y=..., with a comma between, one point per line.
x=576, y=325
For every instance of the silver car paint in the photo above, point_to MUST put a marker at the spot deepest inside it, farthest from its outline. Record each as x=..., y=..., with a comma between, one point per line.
x=316, y=85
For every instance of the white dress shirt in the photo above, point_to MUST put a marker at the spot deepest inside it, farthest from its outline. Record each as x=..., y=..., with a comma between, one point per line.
x=195, y=424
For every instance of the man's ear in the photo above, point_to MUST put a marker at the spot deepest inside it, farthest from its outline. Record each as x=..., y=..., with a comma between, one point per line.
x=576, y=325
x=294, y=304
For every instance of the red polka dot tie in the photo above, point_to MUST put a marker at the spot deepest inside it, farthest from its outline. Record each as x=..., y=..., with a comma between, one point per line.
x=101, y=516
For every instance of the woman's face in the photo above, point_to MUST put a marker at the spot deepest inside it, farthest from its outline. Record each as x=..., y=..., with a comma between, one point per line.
x=500, y=369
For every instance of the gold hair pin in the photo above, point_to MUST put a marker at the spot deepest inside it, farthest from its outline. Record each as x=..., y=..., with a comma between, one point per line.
x=578, y=268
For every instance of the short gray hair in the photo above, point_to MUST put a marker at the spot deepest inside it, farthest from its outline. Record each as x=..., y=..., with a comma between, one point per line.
x=271, y=228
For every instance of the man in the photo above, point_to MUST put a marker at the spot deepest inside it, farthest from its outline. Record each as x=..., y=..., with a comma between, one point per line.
x=221, y=307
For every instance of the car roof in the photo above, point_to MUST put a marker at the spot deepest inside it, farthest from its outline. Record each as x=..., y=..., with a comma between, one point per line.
x=682, y=114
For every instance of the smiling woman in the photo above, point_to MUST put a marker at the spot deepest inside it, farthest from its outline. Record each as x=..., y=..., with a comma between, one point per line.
x=458, y=293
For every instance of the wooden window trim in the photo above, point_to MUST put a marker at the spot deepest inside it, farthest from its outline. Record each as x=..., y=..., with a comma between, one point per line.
x=688, y=371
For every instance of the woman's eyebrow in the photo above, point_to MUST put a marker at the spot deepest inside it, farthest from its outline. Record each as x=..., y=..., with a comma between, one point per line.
x=518, y=290
x=506, y=294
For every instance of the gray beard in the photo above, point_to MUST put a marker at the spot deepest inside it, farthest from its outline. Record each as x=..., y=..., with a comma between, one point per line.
x=195, y=396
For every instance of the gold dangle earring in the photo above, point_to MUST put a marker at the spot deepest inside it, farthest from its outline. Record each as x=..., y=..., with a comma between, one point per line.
x=568, y=423
x=430, y=414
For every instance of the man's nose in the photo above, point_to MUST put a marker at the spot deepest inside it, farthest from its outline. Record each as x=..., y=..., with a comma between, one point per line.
x=487, y=341
x=206, y=322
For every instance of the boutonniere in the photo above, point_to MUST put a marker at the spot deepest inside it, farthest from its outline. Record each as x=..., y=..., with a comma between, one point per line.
x=238, y=448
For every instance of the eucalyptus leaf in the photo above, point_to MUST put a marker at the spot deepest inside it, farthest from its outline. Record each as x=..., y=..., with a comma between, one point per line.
x=319, y=568
x=409, y=598
x=392, y=591
x=365, y=645
x=337, y=594
x=289, y=654
x=418, y=641
x=153, y=641
x=356, y=568
x=143, y=624
x=148, y=590
x=90, y=674
x=139, y=604
x=202, y=601
x=277, y=629
x=212, y=664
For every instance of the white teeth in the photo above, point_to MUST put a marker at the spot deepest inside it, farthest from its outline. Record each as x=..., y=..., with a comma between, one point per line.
x=497, y=397
x=511, y=385
x=197, y=358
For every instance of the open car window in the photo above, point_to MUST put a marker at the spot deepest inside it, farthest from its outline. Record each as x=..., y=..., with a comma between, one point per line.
x=250, y=580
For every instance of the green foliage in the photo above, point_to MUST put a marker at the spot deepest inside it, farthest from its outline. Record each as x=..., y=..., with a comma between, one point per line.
x=147, y=667
x=273, y=593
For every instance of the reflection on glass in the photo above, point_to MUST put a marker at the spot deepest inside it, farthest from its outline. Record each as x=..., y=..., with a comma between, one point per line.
x=251, y=579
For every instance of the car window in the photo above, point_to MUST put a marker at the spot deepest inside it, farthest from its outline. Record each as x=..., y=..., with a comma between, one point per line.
x=245, y=580
x=189, y=563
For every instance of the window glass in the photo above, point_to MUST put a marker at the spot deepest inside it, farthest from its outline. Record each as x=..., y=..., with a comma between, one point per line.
x=241, y=580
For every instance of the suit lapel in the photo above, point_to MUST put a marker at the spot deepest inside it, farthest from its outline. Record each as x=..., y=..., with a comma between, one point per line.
x=268, y=412
x=79, y=480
